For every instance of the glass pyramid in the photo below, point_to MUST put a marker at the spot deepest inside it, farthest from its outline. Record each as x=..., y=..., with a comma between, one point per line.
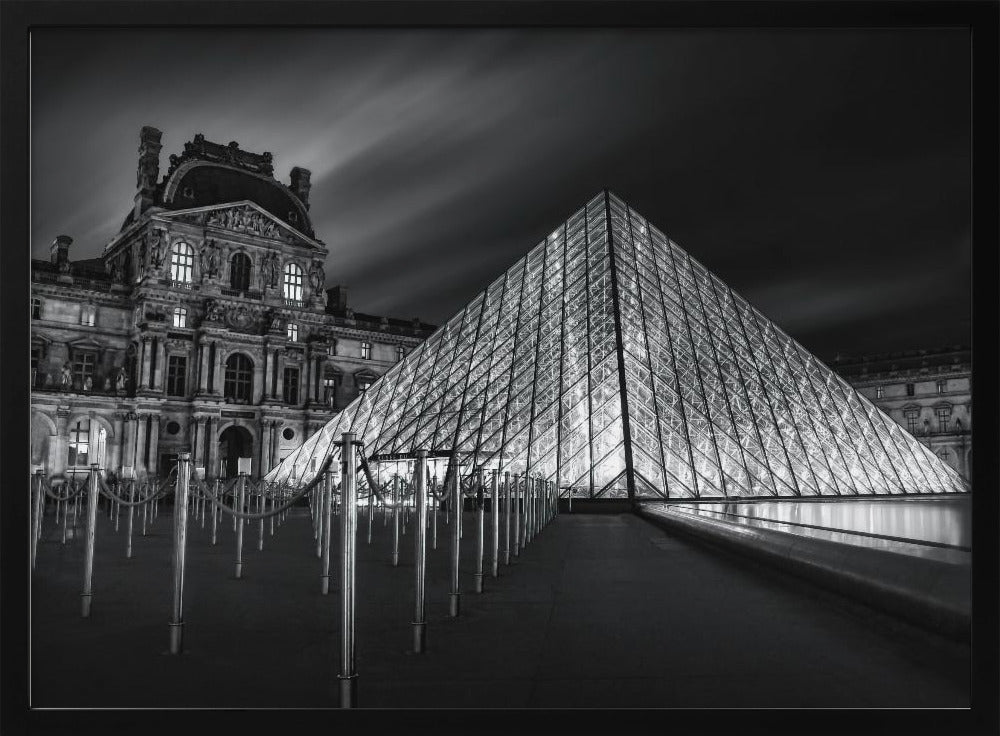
x=611, y=362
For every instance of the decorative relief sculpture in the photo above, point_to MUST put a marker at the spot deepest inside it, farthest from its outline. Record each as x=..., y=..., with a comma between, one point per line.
x=213, y=311
x=66, y=379
x=269, y=271
x=246, y=219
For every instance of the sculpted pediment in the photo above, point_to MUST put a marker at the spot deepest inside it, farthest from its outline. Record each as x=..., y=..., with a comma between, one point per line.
x=243, y=217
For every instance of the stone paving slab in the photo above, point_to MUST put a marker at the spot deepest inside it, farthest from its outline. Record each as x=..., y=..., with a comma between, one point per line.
x=599, y=611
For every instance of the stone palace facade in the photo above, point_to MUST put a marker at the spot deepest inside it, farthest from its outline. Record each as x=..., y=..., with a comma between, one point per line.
x=204, y=326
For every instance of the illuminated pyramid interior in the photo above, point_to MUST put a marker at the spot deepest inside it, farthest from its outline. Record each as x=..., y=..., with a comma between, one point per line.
x=610, y=361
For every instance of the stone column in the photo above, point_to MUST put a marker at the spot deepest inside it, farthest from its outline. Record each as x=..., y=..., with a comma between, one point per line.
x=198, y=446
x=60, y=442
x=128, y=442
x=317, y=376
x=140, y=444
x=203, y=378
x=279, y=390
x=161, y=362
x=305, y=379
x=117, y=450
x=275, y=443
x=257, y=393
x=213, y=448
x=154, y=439
x=219, y=378
x=266, y=430
x=146, y=357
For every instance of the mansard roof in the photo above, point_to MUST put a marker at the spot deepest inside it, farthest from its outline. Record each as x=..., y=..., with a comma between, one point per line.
x=208, y=173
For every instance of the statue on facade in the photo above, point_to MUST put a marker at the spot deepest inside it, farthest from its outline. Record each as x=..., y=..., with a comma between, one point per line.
x=317, y=277
x=88, y=383
x=156, y=249
x=269, y=270
x=107, y=384
x=209, y=259
x=120, y=380
x=66, y=379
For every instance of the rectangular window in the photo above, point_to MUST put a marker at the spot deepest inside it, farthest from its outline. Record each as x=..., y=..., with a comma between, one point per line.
x=400, y=353
x=83, y=368
x=363, y=384
x=88, y=314
x=79, y=443
x=366, y=350
x=290, y=387
x=176, y=375
x=942, y=386
x=909, y=389
x=943, y=415
x=911, y=422
x=879, y=392
x=180, y=317
x=36, y=308
x=293, y=332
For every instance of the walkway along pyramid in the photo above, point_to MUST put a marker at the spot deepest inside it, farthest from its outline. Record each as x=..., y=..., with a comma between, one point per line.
x=610, y=361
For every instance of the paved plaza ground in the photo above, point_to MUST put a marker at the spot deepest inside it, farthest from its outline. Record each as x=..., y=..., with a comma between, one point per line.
x=601, y=610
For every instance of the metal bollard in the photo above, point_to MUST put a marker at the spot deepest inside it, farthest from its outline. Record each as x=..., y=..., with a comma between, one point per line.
x=88, y=558
x=506, y=518
x=495, y=523
x=348, y=559
x=434, y=522
x=420, y=555
x=36, y=527
x=371, y=512
x=327, y=511
x=320, y=518
x=395, y=520
x=517, y=516
x=239, y=526
x=180, y=545
x=480, y=513
x=215, y=512
x=128, y=534
x=455, y=500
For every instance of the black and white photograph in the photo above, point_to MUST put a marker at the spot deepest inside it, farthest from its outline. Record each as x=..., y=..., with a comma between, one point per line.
x=534, y=364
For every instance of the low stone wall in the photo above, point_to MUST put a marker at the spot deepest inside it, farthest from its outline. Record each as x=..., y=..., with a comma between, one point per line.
x=929, y=593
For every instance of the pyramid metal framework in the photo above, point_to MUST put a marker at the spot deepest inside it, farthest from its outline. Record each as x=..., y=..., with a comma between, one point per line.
x=610, y=361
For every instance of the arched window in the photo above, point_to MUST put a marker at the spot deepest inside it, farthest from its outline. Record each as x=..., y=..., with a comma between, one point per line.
x=293, y=282
x=182, y=263
x=239, y=378
x=239, y=272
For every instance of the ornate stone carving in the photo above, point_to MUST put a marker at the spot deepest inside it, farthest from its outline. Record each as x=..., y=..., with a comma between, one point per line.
x=246, y=219
x=213, y=311
x=156, y=249
x=243, y=318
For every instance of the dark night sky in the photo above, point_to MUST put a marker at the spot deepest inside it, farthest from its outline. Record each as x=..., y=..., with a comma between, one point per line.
x=824, y=175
